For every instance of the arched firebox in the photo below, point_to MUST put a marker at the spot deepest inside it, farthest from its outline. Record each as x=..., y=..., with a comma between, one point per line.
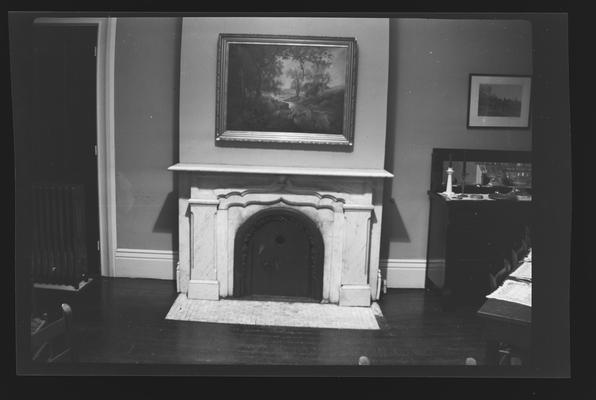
x=279, y=252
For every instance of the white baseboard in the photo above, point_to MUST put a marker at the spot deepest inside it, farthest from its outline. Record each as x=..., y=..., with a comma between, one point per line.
x=404, y=273
x=141, y=263
x=161, y=264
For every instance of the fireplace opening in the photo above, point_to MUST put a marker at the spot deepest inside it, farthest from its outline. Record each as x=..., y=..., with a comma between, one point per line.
x=279, y=254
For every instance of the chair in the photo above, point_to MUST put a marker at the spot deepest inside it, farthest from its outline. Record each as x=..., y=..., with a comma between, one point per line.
x=53, y=341
x=498, y=272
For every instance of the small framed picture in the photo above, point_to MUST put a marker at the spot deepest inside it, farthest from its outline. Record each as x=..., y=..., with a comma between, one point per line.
x=499, y=101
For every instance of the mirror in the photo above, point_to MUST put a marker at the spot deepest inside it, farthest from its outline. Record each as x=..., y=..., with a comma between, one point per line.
x=482, y=171
x=490, y=174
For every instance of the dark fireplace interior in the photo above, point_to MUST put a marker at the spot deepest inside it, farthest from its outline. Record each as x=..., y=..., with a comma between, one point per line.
x=279, y=255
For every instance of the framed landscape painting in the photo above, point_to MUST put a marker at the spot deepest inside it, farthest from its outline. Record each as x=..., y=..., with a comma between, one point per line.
x=499, y=101
x=295, y=90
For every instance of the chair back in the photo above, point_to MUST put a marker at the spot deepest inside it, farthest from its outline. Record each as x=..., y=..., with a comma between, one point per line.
x=54, y=341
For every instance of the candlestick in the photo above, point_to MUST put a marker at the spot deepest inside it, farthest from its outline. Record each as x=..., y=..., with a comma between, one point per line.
x=449, y=190
x=463, y=176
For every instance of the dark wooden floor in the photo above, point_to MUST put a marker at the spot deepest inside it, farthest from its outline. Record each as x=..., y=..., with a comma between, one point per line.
x=120, y=320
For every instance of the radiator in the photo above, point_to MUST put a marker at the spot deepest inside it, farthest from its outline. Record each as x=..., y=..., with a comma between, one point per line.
x=59, y=253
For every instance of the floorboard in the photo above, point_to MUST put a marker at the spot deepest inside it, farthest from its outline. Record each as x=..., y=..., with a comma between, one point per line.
x=119, y=320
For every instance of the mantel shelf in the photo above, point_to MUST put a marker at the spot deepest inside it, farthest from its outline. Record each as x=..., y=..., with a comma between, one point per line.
x=255, y=169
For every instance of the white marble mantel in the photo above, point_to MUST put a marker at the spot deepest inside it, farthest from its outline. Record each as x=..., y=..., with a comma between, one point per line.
x=256, y=169
x=345, y=204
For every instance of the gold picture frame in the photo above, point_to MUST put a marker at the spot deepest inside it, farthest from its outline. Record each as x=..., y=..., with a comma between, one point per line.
x=286, y=90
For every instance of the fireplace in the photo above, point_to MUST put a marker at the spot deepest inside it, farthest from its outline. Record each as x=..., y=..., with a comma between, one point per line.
x=303, y=233
x=279, y=252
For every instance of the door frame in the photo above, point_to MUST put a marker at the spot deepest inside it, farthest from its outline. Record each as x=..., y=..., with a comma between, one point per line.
x=106, y=165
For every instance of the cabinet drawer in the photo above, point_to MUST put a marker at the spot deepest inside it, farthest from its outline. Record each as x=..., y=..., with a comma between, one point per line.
x=471, y=216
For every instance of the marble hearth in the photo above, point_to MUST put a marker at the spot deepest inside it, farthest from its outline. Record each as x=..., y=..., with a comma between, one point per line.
x=345, y=204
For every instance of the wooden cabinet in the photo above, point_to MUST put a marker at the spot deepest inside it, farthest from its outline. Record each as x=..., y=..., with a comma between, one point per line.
x=469, y=239
x=466, y=240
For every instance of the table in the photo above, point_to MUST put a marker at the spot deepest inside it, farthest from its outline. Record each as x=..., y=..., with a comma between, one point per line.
x=507, y=323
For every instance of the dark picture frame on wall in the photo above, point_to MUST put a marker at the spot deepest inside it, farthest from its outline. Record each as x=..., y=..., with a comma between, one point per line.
x=499, y=101
x=286, y=90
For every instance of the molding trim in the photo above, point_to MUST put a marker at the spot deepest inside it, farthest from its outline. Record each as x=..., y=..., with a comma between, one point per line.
x=141, y=263
x=109, y=158
x=404, y=273
x=161, y=264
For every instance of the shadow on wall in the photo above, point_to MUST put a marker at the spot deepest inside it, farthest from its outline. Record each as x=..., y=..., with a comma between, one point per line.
x=393, y=228
x=167, y=220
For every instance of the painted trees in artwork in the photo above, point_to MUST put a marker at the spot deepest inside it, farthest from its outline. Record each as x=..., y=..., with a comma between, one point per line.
x=261, y=77
x=496, y=100
x=311, y=73
x=260, y=67
x=297, y=78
